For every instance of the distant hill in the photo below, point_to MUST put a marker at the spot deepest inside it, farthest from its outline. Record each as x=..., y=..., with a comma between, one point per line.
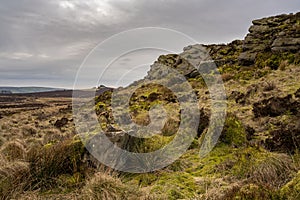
x=50, y=92
x=21, y=90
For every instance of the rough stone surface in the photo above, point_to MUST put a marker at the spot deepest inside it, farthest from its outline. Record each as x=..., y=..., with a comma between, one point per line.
x=273, y=34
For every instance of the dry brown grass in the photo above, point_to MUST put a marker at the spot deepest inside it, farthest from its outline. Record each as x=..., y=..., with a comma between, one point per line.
x=273, y=172
x=106, y=187
x=2, y=140
x=53, y=160
x=14, y=177
x=226, y=76
x=283, y=65
x=13, y=150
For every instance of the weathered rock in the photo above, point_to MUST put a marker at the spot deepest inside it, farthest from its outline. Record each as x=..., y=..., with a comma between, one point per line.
x=259, y=29
x=286, y=44
x=180, y=64
x=247, y=58
x=111, y=128
x=273, y=34
x=61, y=122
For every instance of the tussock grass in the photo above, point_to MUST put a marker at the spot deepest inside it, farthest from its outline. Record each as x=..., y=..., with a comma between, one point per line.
x=13, y=150
x=106, y=187
x=52, y=160
x=273, y=171
x=14, y=177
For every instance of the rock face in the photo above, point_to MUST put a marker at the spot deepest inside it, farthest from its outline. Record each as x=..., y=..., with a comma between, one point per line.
x=174, y=61
x=269, y=42
x=274, y=34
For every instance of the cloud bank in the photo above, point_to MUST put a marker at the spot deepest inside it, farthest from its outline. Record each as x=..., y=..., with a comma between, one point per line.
x=44, y=42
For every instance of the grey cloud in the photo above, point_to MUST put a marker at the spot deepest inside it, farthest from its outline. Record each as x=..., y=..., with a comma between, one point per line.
x=46, y=41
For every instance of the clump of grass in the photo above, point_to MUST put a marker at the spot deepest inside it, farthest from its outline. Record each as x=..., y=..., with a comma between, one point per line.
x=142, y=180
x=106, y=187
x=283, y=65
x=52, y=160
x=296, y=159
x=53, y=136
x=14, y=177
x=28, y=130
x=13, y=150
x=273, y=171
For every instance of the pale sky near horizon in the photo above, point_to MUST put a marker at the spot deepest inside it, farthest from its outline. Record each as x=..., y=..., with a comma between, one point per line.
x=43, y=43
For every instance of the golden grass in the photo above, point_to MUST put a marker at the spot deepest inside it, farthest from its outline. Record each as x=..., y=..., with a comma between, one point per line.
x=106, y=187
x=14, y=177
x=13, y=150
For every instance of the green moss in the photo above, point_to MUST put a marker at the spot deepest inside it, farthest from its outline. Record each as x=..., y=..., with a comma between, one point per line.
x=142, y=180
x=273, y=60
x=176, y=185
x=224, y=51
x=100, y=107
x=233, y=132
x=259, y=165
x=207, y=166
x=245, y=73
x=144, y=145
x=292, y=189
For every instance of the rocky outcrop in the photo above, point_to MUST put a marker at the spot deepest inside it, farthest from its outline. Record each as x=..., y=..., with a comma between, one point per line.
x=270, y=42
x=273, y=34
x=173, y=61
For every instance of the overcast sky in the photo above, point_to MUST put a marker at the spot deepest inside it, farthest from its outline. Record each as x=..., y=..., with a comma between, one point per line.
x=43, y=42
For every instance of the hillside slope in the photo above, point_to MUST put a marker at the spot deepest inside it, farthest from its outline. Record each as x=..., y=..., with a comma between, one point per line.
x=256, y=157
x=257, y=153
